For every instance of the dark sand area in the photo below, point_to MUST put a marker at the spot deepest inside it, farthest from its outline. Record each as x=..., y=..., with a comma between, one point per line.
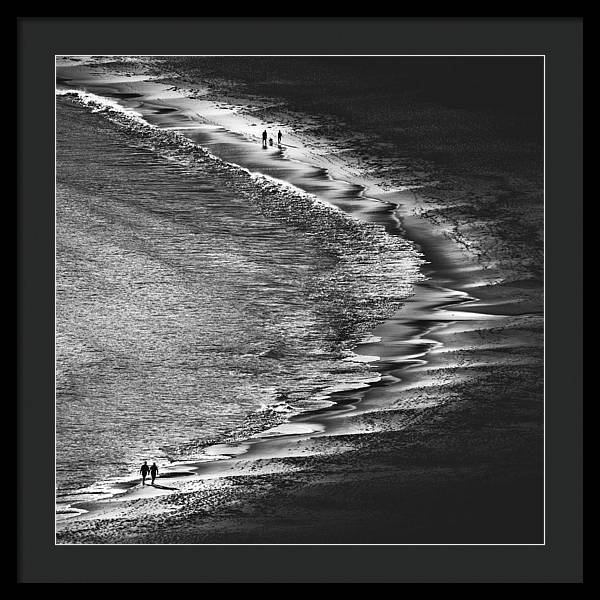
x=467, y=131
x=456, y=454
x=456, y=458
x=469, y=473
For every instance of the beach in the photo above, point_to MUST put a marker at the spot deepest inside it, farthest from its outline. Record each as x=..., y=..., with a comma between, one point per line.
x=428, y=428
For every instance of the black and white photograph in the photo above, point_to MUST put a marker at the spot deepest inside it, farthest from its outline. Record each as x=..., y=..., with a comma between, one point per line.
x=299, y=299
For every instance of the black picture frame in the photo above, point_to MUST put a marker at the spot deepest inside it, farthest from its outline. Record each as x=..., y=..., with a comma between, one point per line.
x=558, y=560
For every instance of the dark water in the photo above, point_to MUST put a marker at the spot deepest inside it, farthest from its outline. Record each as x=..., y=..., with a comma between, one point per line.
x=195, y=302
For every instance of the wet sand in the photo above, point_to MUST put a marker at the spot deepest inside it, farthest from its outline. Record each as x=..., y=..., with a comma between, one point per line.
x=445, y=448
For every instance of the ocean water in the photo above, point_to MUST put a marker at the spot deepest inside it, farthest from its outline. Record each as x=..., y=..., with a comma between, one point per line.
x=195, y=301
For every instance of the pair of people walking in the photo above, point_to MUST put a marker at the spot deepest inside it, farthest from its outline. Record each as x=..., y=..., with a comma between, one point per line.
x=264, y=138
x=145, y=470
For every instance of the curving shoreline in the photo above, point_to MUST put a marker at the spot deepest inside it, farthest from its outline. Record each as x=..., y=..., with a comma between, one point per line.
x=431, y=358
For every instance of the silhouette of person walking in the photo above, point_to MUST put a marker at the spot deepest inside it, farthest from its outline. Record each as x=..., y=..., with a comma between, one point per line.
x=153, y=472
x=144, y=470
x=279, y=137
x=270, y=141
x=264, y=138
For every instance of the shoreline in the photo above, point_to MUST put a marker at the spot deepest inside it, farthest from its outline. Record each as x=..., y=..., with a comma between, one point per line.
x=426, y=307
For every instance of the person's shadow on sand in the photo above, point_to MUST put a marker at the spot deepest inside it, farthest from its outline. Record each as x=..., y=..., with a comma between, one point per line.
x=162, y=487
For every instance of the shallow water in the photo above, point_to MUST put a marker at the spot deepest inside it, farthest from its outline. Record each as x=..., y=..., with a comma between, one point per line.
x=195, y=303
x=442, y=334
